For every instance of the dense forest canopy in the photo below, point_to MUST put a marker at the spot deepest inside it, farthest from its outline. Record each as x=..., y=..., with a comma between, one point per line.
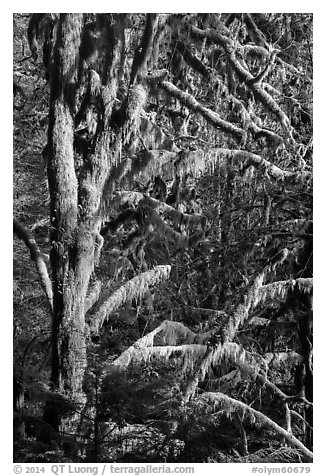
x=163, y=237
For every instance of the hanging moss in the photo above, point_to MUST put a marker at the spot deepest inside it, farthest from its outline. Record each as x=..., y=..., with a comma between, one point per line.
x=278, y=291
x=229, y=405
x=133, y=289
x=212, y=117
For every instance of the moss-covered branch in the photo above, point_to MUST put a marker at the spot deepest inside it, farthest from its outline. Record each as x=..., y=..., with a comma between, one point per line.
x=255, y=34
x=192, y=60
x=133, y=289
x=143, y=51
x=211, y=117
x=279, y=289
x=228, y=404
x=205, y=160
x=245, y=76
x=114, y=60
x=23, y=234
x=93, y=295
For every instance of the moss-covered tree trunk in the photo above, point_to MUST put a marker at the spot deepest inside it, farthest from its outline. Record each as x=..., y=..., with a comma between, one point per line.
x=72, y=244
x=77, y=196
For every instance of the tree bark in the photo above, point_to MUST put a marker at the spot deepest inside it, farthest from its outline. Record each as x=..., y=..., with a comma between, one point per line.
x=71, y=262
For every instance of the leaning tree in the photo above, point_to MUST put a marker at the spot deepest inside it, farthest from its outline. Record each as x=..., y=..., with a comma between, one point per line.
x=141, y=107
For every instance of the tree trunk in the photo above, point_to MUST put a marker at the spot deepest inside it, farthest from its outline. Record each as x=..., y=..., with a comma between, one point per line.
x=71, y=257
x=76, y=205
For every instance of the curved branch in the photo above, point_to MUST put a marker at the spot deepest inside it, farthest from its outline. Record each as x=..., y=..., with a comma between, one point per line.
x=171, y=333
x=23, y=234
x=229, y=404
x=202, y=160
x=133, y=289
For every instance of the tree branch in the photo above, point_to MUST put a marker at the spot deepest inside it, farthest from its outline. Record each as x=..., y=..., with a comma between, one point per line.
x=93, y=295
x=192, y=60
x=203, y=160
x=22, y=233
x=245, y=76
x=254, y=32
x=211, y=117
x=230, y=404
x=133, y=289
x=143, y=51
x=176, y=216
